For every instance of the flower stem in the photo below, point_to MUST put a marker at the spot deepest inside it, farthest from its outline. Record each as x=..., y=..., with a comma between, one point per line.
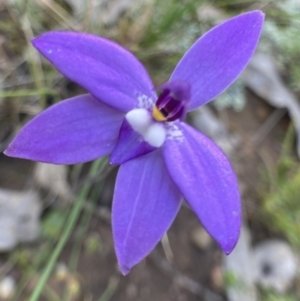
x=72, y=218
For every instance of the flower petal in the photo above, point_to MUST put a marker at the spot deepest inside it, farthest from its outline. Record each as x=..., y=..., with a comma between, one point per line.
x=108, y=71
x=145, y=204
x=205, y=178
x=219, y=56
x=76, y=130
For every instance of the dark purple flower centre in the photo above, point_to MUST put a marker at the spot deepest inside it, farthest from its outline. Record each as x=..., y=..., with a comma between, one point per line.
x=172, y=102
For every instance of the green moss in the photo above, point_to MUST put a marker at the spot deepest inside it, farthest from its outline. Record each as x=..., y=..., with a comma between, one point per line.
x=282, y=204
x=280, y=38
x=272, y=296
x=283, y=208
x=234, y=97
x=53, y=224
x=230, y=279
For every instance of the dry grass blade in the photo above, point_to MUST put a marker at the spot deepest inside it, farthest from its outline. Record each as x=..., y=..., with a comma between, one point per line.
x=182, y=280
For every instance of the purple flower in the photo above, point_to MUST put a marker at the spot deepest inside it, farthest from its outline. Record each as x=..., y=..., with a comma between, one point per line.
x=162, y=158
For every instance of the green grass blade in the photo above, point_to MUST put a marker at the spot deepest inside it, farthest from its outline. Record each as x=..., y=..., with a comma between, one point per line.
x=74, y=214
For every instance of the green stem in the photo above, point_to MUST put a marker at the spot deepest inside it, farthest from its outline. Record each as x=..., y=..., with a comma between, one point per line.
x=73, y=217
x=24, y=93
x=110, y=290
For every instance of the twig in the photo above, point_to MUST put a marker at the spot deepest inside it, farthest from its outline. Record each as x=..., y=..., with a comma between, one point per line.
x=99, y=176
x=182, y=280
x=267, y=126
x=35, y=60
x=58, y=11
x=262, y=132
x=167, y=248
x=24, y=8
x=110, y=290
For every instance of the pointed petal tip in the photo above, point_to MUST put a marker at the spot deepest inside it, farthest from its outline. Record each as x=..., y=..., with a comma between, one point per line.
x=124, y=263
x=256, y=17
x=36, y=41
x=14, y=151
x=33, y=41
x=228, y=248
x=228, y=252
x=86, y=60
x=7, y=153
x=55, y=136
x=220, y=55
x=229, y=245
x=125, y=270
x=212, y=188
x=258, y=13
x=141, y=214
x=50, y=37
x=44, y=45
x=11, y=151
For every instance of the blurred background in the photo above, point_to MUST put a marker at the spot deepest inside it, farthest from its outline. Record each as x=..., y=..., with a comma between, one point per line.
x=55, y=234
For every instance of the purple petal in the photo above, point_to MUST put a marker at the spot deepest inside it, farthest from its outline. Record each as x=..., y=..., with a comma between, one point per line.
x=145, y=204
x=205, y=178
x=130, y=145
x=108, y=71
x=76, y=130
x=219, y=56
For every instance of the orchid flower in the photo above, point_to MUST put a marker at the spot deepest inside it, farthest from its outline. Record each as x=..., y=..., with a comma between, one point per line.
x=162, y=158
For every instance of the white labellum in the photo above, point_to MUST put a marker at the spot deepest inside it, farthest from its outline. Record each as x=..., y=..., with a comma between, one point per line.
x=141, y=121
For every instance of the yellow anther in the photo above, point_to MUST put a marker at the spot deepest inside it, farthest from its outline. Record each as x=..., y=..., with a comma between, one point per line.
x=157, y=115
